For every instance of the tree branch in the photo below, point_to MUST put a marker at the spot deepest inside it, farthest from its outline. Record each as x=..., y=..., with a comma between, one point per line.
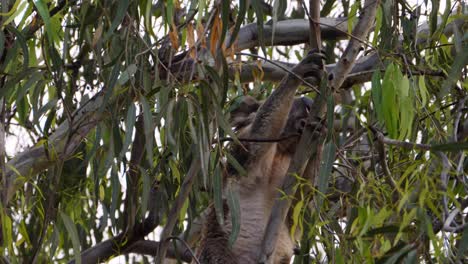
x=346, y=62
x=59, y=146
x=148, y=247
x=290, y=32
x=124, y=241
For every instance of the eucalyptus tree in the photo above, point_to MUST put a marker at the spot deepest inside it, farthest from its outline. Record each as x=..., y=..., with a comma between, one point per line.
x=114, y=126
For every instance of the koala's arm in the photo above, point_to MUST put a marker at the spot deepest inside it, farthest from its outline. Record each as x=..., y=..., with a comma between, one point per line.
x=273, y=114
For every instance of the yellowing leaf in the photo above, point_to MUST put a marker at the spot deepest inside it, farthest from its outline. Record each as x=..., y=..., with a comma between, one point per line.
x=174, y=37
x=191, y=40
x=422, y=90
x=296, y=212
x=215, y=34
x=201, y=35
x=97, y=35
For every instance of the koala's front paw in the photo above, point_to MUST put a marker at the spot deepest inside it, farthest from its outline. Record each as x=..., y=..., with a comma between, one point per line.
x=311, y=66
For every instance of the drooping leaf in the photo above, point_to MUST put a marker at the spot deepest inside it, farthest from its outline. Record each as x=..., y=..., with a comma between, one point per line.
x=43, y=10
x=326, y=167
x=149, y=128
x=239, y=20
x=234, y=209
x=119, y=16
x=129, y=124
x=73, y=235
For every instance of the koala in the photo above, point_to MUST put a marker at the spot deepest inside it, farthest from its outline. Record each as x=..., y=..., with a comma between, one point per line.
x=266, y=160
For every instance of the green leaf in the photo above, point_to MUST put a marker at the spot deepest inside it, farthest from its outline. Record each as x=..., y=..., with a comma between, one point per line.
x=389, y=102
x=13, y=82
x=225, y=13
x=231, y=160
x=111, y=82
x=406, y=108
x=115, y=189
x=239, y=20
x=459, y=64
x=129, y=124
x=434, y=15
x=22, y=107
x=73, y=234
x=232, y=197
x=326, y=166
x=422, y=90
x=147, y=18
x=7, y=230
x=327, y=8
x=201, y=10
x=377, y=96
x=120, y=14
x=2, y=42
x=218, y=195
x=183, y=212
x=451, y=147
x=145, y=192
x=12, y=10
x=127, y=74
x=149, y=128
x=352, y=16
x=257, y=7
x=396, y=258
x=35, y=77
x=463, y=245
x=295, y=217
x=44, y=13
x=378, y=25
x=21, y=41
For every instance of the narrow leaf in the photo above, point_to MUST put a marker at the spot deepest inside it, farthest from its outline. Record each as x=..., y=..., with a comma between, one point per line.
x=120, y=14
x=73, y=234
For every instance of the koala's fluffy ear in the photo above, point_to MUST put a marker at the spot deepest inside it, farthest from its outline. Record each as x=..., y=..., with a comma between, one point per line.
x=243, y=111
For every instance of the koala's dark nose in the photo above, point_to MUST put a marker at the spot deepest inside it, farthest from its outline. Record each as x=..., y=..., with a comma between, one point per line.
x=300, y=124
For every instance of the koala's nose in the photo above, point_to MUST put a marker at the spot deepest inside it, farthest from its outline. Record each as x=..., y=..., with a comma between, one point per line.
x=300, y=125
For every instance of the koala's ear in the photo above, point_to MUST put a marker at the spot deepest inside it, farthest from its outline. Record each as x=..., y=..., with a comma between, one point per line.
x=243, y=110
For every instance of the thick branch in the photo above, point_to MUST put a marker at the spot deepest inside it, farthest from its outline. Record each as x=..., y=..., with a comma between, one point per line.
x=346, y=62
x=290, y=32
x=124, y=241
x=148, y=247
x=59, y=146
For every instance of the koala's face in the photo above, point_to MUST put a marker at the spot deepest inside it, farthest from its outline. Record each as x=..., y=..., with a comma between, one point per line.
x=243, y=115
x=295, y=124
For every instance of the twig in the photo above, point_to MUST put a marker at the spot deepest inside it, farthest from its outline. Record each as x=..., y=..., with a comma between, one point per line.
x=403, y=144
x=187, y=247
x=281, y=67
x=260, y=140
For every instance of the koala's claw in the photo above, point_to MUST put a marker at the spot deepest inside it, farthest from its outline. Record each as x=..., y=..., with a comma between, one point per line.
x=311, y=65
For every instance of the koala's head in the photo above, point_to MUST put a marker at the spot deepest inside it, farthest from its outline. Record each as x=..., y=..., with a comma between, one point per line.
x=244, y=113
x=295, y=124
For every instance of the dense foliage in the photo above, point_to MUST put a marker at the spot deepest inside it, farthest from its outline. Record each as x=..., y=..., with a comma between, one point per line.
x=114, y=119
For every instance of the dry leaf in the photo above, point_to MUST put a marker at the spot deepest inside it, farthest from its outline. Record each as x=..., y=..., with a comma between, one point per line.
x=191, y=41
x=174, y=37
x=215, y=34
